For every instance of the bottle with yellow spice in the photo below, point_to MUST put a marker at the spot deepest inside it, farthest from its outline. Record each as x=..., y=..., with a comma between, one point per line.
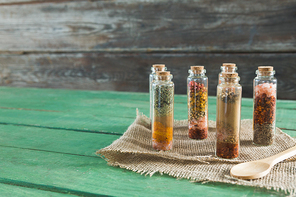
x=163, y=111
x=197, y=94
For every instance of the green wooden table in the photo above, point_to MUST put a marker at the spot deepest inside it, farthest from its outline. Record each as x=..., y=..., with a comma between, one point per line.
x=48, y=140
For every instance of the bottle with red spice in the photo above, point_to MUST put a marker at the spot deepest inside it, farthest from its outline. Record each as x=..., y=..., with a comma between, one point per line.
x=265, y=89
x=227, y=67
x=154, y=69
x=163, y=111
x=228, y=119
x=197, y=94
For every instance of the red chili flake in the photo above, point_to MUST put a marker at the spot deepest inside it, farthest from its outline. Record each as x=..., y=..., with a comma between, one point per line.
x=198, y=134
x=264, y=109
x=264, y=119
x=227, y=150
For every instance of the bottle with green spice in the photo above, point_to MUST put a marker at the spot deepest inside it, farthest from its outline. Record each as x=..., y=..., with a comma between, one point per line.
x=163, y=111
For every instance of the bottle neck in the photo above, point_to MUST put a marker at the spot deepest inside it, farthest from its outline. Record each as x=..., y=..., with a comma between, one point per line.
x=265, y=74
x=228, y=69
x=167, y=78
x=201, y=73
x=229, y=80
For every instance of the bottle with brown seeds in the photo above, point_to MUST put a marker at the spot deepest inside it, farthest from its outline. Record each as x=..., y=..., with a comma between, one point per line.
x=228, y=119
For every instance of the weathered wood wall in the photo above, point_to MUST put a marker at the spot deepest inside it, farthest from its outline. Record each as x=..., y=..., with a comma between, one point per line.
x=111, y=45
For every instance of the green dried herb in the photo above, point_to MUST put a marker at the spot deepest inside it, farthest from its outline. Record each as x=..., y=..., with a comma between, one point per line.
x=163, y=100
x=263, y=134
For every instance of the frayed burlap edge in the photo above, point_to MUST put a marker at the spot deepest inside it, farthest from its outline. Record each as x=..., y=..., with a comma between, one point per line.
x=202, y=168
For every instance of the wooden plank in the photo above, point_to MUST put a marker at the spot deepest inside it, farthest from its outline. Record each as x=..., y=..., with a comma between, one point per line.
x=22, y=2
x=85, y=111
x=55, y=99
x=153, y=25
x=20, y=191
x=54, y=140
x=59, y=141
x=64, y=171
x=81, y=122
x=89, y=176
x=130, y=71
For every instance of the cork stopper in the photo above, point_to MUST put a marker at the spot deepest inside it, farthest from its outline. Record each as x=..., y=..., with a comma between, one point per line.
x=230, y=65
x=229, y=75
x=158, y=66
x=265, y=68
x=197, y=69
x=163, y=73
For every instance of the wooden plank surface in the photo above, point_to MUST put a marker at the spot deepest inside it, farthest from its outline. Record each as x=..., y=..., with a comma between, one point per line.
x=15, y=190
x=43, y=154
x=57, y=109
x=130, y=71
x=157, y=25
x=90, y=176
x=111, y=45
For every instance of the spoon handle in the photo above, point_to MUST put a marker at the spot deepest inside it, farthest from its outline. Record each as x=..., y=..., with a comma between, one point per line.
x=281, y=156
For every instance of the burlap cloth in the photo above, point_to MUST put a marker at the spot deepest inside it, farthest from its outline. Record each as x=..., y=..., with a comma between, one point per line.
x=195, y=160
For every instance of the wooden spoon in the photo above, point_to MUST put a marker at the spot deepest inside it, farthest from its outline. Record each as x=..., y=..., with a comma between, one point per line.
x=260, y=168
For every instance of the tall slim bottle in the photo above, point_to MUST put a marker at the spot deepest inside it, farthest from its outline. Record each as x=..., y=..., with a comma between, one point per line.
x=197, y=94
x=228, y=121
x=265, y=89
x=163, y=111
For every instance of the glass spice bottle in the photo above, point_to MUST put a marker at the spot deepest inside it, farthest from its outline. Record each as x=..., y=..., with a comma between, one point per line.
x=228, y=121
x=226, y=67
x=197, y=95
x=154, y=69
x=265, y=88
x=163, y=111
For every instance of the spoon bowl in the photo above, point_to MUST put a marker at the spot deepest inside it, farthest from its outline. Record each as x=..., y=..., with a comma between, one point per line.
x=250, y=170
x=260, y=168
